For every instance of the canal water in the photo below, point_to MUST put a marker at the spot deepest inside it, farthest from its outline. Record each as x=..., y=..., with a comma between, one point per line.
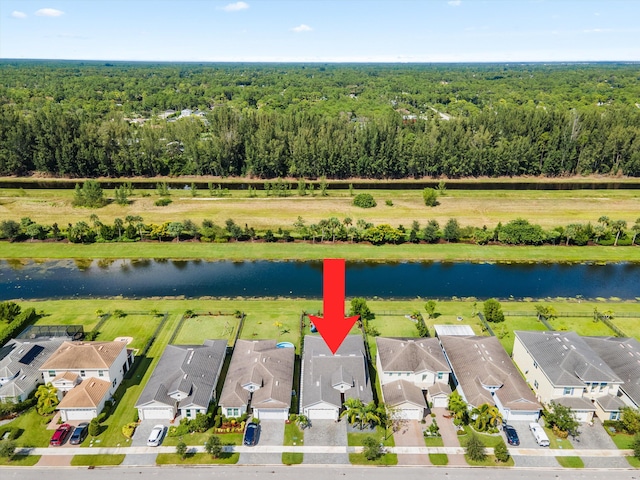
x=198, y=278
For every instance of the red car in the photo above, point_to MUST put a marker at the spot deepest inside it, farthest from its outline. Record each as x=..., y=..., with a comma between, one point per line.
x=61, y=435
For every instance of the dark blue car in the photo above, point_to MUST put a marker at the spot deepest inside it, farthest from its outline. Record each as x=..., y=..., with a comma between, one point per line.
x=512, y=435
x=251, y=434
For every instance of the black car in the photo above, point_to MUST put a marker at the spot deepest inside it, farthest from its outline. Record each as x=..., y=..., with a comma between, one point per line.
x=512, y=435
x=251, y=434
x=79, y=434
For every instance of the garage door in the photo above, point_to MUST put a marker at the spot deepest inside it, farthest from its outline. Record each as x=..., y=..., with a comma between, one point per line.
x=521, y=416
x=80, y=414
x=410, y=414
x=271, y=414
x=322, y=414
x=155, y=414
x=441, y=402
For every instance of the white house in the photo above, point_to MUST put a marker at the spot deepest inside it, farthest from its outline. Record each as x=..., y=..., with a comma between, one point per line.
x=95, y=369
x=562, y=367
x=408, y=369
x=259, y=380
x=183, y=382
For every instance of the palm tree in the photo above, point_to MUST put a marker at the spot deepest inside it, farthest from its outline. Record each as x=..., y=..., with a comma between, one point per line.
x=458, y=406
x=47, y=396
x=636, y=231
x=372, y=414
x=486, y=416
x=354, y=410
x=618, y=227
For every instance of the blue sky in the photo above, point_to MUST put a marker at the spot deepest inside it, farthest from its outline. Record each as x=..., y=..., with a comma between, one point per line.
x=322, y=30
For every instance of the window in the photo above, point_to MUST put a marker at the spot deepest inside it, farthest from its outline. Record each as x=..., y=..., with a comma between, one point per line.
x=424, y=377
x=440, y=375
x=535, y=364
x=603, y=386
x=82, y=373
x=593, y=387
x=52, y=373
x=614, y=416
x=101, y=373
x=188, y=412
x=568, y=391
x=113, y=383
x=233, y=412
x=535, y=383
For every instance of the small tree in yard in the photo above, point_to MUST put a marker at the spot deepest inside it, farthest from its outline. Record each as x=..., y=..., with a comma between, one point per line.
x=430, y=196
x=493, y=311
x=372, y=448
x=181, y=449
x=475, y=449
x=562, y=420
x=7, y=449
x=430, y=308
x=636, y=446
x=501, y=451
x=94, y=427
x=630, y=420
x=213, y=446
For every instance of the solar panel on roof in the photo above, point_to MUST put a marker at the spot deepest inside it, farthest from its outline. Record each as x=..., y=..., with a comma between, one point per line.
x=33, y=352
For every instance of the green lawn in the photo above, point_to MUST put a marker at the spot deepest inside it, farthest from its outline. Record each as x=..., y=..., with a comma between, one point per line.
x=292, y=436
x=20, y=461
x=196, y=330
x=628, y=325
x=490, y=461
x=555, y=442
x=433, y=442
x=634, y=462
x=355, y=439
x=570, y=462
x=438, y=459
x=386, y=459
x=504, y=331
x=96, y=460
x=623, y=441
x=200, y=438
x=33, y=427
x=488, y=440
x=138, y=326
x=197, y=459
x=581, y=325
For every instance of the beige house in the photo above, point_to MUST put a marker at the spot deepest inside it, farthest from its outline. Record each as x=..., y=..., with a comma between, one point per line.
x=407, y=370
x=562, y=367
x=484, y=373
x=259, y=380
x=88, y=373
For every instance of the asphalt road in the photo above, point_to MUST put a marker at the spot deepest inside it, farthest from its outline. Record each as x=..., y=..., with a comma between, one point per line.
x=321, y=472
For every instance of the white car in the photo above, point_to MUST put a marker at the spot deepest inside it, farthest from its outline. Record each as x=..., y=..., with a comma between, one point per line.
x=539, y=434
x=156, y=436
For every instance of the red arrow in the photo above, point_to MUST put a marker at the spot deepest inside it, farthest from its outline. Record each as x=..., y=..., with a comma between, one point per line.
x=333, y=327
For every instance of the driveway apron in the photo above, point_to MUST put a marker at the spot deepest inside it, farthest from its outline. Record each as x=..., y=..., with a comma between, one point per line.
x=527, y=441
x=410, y=435
x=449, y=435
x=596, y=437
x=326, y=433
x=271, y=434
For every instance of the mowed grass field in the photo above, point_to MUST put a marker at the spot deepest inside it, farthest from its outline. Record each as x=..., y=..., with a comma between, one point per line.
x=195, y=330
x=548, y=208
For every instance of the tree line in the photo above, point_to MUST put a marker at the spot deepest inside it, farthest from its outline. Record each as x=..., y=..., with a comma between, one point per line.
x=515, y=232
x=338, y=122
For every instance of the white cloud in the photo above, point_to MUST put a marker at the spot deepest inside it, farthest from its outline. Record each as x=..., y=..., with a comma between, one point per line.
x=235, y=7
x=455, y=3
x=49, y=12
x=302, y=28
x=17, y=14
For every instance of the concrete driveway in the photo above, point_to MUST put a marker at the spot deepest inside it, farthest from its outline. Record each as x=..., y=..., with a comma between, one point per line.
x=329, y=433
x=596, y=437
x=410, y=435
x=271, y=433
x=527, y=441
x=449, y=435
x=139, y=439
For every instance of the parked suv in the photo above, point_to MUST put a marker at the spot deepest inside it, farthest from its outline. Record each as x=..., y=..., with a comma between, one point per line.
x=511, y=434
x=60, y=435
x=79, y=434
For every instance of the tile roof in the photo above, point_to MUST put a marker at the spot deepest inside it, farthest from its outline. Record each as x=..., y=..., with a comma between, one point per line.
x=479, y=362
x=88, y=394
x=263, y=364
x=186, y=371
x=411, y=355
x=21, y=377
x=400, y=392
x=622, y=355
x=566, y=359
x=84, y=355
x=319, y=367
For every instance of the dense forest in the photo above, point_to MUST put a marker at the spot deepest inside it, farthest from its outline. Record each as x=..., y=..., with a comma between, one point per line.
x=91, y=119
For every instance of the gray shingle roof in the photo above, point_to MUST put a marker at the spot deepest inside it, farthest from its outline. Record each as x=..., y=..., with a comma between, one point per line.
x=576, y=403
x=23, y=377
x=189, y=369
x=400, y=391
x=622, y=355
x=481, y=361
x=411, y=355
x=319, y=369
x=566, y=359
x=260, y=363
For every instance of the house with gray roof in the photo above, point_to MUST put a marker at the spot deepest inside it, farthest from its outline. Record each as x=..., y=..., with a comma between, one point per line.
x=183, y=382
x=259, y=380
x=329, y=379
x=622, y=355
x=562, y=367
x=408, y=369
x=484, y=373
x=20, y=362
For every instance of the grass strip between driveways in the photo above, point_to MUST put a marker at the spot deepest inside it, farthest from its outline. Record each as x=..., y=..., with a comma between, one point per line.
x=438, y=459
x=20, y=461
x=96, y=460
x=570, y=462
x=197, y=459
x=490, y=461
x=292, y=436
